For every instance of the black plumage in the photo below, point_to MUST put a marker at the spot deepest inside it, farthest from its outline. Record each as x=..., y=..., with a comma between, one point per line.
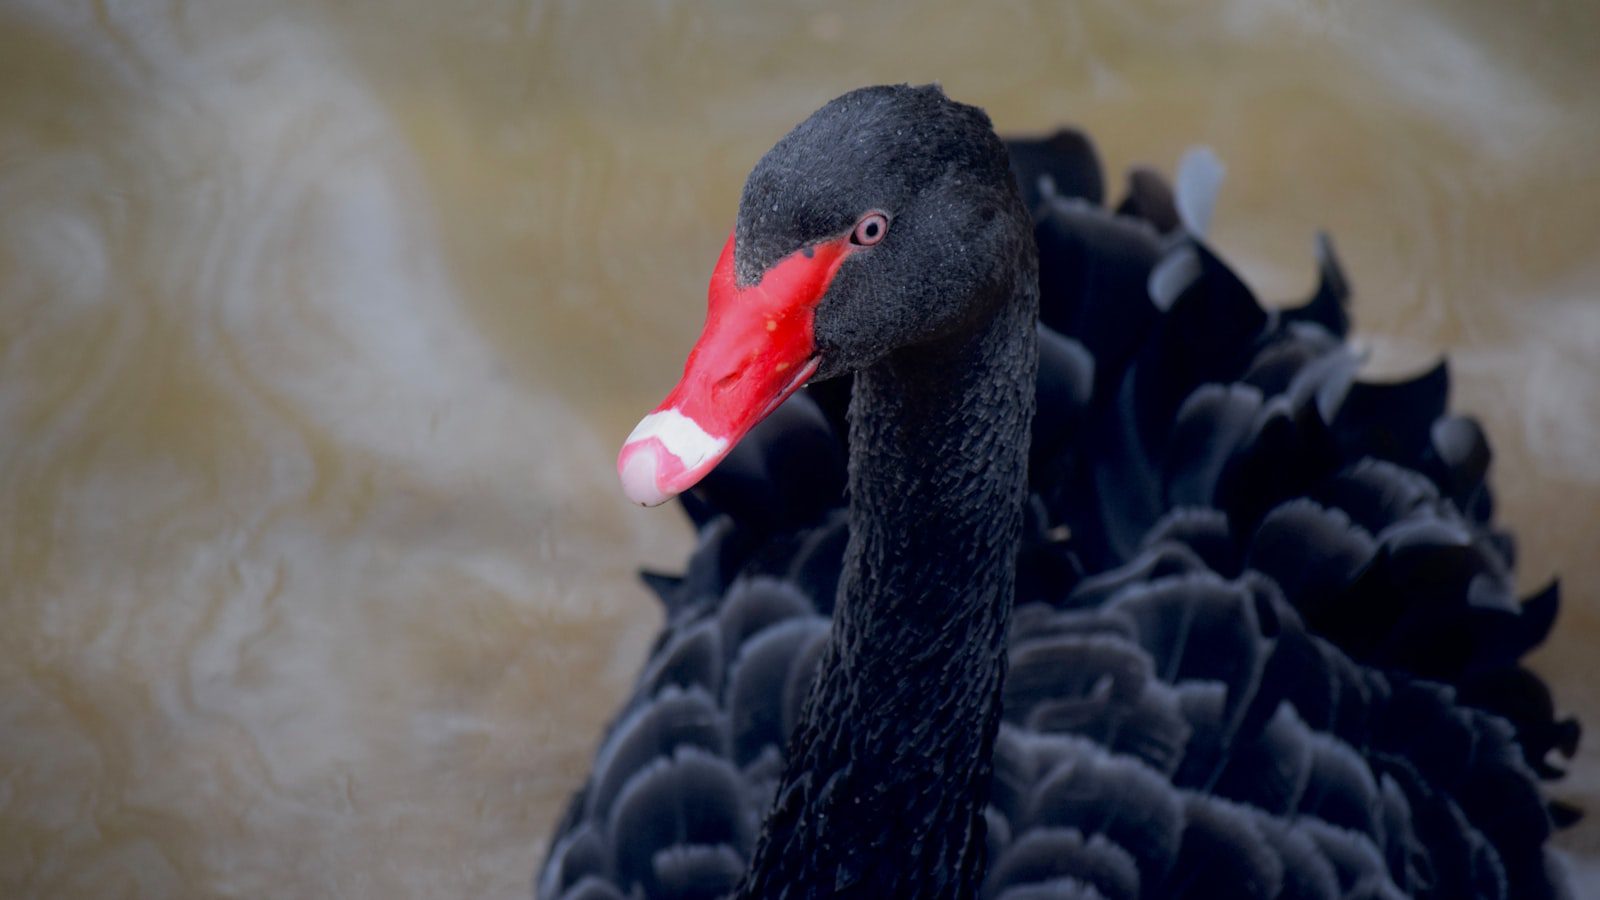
x=1264, y=641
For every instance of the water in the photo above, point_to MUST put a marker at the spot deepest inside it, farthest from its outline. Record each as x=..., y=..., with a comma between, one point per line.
x=320, y=324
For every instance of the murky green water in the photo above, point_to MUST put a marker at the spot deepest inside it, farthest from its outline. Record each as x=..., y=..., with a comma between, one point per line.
x=320, y=323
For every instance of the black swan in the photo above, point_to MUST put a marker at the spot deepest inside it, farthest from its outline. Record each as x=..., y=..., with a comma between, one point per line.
x=1219, y=621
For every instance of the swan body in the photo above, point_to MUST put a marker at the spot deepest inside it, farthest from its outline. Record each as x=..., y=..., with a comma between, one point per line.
x=1217, y=620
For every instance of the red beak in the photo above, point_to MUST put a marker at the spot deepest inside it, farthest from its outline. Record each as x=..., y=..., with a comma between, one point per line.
x=757, y=348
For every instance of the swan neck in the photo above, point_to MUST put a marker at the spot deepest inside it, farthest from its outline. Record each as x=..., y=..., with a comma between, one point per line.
x=889, y=769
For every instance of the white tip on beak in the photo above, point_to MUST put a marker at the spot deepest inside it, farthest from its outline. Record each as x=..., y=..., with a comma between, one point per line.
x=665, y=455
x=638, y=468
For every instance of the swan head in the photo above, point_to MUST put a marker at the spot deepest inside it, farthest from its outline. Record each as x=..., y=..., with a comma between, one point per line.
x=888, y=219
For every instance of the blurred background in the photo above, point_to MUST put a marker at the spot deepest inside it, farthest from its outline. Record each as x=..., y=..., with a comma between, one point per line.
x=320, y=324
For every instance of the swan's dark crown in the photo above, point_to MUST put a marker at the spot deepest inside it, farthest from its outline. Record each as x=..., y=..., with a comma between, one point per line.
x=937, y=169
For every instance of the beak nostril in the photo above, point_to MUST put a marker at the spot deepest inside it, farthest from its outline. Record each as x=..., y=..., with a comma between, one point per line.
x=725, y=384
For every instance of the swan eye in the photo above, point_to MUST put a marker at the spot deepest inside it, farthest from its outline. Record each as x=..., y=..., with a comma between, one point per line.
x=870, y=230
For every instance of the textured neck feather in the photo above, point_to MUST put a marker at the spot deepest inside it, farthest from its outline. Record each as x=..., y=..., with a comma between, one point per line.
x=889, y=769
